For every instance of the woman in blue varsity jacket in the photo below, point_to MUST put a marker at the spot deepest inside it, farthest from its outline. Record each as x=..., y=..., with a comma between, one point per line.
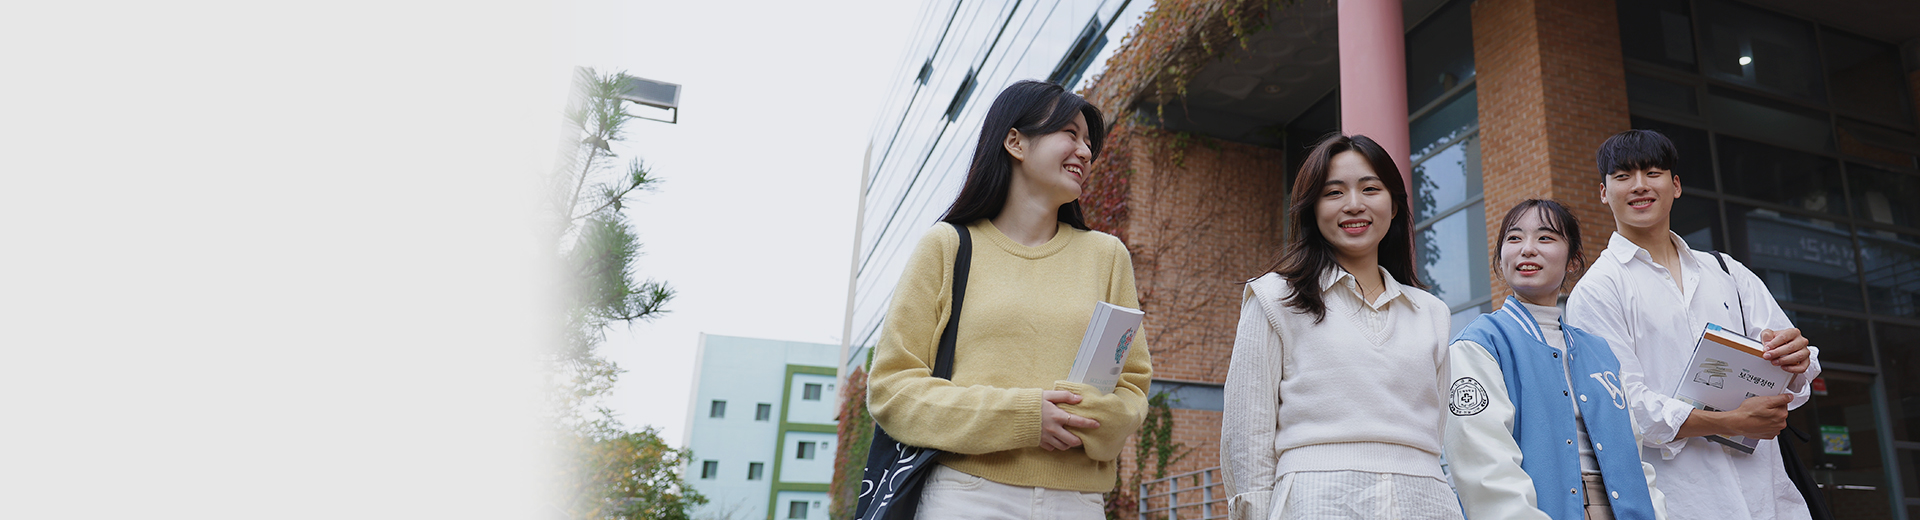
x=1538, y=426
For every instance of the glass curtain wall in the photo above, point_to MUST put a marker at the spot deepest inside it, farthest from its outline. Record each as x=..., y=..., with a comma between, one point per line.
x=1798, y=157
x=1449, y=213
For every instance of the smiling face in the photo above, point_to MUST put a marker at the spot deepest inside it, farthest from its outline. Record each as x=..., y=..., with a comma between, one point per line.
x=1533, y=258
x=1642, y=199
x=1354, y=209
x=1054, y=165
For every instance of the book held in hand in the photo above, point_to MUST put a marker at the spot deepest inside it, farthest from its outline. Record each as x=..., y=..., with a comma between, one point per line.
x=1726, y=369
x=1103, y=351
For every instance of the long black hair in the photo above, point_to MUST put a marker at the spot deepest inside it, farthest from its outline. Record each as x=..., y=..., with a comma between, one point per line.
x=1035, y=108
x=1309, y=254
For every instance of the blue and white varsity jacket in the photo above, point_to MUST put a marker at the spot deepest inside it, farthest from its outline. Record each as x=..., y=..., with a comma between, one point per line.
x=1511, y=433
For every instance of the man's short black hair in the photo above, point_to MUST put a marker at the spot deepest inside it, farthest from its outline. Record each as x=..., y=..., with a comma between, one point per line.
x=1636, y=150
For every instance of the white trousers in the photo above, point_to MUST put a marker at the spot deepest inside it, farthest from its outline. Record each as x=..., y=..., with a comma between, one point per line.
x=950, y=493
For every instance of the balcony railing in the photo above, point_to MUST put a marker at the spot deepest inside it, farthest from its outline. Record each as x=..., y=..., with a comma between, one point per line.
x=1195, y=495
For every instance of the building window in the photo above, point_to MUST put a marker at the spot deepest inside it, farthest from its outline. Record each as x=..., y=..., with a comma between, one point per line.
x=710, y=469
x=1865, y=78
x=811, y=392
x=797, y=509
x=805, y=451
x=1658, y=32
x=1748, y=46
x=763, y=412
x=754, y=469
x=1439, y=54
x=1449, y=209
x=719, y=409
x=1071, y=66
x=1448, y=192
x=960, y=96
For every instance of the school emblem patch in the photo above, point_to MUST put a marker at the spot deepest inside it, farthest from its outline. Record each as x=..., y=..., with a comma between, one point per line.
x=1467, y=397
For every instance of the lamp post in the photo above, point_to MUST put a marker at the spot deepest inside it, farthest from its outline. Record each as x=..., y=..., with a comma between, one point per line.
x=657, y=94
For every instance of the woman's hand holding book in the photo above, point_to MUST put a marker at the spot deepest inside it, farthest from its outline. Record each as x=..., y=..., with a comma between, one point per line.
x=1054, y=421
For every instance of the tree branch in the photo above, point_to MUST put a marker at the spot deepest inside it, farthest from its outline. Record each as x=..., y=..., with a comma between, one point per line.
x=585, y=170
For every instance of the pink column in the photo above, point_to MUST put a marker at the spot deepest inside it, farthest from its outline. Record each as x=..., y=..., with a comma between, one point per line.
x=1373, y=76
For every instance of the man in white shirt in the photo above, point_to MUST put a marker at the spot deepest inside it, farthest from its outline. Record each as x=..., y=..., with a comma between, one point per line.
x=1650, y=296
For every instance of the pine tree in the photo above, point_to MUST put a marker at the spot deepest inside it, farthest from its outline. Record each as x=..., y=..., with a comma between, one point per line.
x=609, y=472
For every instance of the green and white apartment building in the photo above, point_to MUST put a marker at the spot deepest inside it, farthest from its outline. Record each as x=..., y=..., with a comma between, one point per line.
x=761, y=425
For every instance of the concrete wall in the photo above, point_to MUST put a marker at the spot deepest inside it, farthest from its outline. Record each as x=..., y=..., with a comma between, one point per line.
x=820, y=410
x=817, y=470
x=816, y=507
x=747, y=372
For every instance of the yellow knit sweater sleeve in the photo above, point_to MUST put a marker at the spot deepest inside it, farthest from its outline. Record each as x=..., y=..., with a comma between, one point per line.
x=1121, y=412
x=919, y=409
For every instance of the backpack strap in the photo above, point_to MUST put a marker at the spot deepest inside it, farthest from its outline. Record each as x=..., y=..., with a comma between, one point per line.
x=1722, y=258
x=962, y=262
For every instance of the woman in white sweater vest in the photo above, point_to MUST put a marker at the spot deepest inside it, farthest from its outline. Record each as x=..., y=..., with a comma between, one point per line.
x=1334, y=396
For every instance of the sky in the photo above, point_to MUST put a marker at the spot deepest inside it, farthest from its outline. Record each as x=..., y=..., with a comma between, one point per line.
x=255, y=253
x=753, y=222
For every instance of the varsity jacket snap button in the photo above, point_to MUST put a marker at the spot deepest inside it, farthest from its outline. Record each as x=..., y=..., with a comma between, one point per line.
x=1583, y=398
x=1569, y=441
x=1596, y=447
x=1615, y=494
x=1575, y=491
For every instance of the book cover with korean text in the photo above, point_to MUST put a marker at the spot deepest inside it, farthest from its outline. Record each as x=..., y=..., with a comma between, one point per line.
x=1727, y=369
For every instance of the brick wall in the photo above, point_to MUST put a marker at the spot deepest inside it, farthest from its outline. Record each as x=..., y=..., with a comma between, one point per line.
x=1204, y=215
x=1197, y=432
x=1552, y=87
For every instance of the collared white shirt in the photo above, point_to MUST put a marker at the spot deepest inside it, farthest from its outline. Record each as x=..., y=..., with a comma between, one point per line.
x=1390, y=288
x=1652, y=326
x=1360, y=391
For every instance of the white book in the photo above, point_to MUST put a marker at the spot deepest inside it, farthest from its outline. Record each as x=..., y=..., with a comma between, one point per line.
x=1726, y=369
x=1103, y=351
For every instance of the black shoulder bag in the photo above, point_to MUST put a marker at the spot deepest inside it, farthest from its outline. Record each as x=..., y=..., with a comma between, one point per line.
x=1801, y=475
x=890, y=486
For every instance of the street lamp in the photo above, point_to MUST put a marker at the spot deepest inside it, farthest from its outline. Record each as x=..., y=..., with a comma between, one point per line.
x=657, y=94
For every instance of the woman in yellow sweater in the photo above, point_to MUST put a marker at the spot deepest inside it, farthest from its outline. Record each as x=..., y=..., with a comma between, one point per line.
x=1019, y=440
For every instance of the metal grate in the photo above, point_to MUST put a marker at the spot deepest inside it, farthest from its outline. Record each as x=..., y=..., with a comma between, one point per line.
x=1196, y=495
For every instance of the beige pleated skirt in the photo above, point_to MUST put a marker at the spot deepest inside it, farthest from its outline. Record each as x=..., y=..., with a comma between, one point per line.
x=1358, y=495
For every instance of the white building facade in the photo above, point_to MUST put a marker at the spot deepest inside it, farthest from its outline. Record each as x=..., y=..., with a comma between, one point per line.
x=762, y=426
